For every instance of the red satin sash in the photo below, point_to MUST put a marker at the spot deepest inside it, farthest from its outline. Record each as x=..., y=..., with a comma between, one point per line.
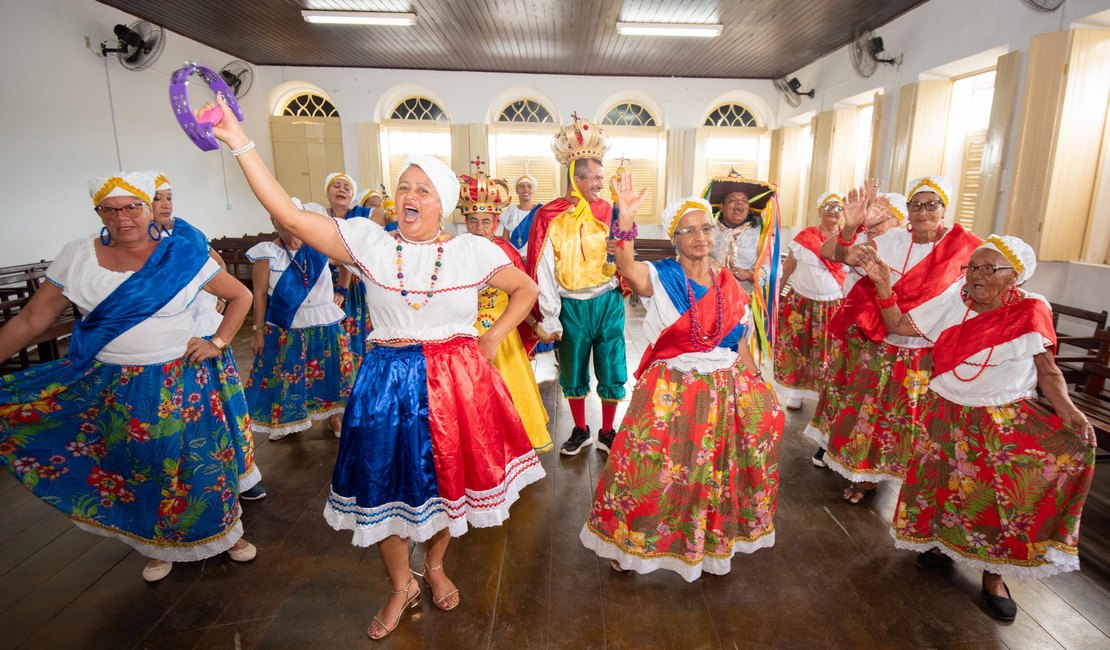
x=811, y=239
x=989, y=329
x=925, y=281
x=675, y=340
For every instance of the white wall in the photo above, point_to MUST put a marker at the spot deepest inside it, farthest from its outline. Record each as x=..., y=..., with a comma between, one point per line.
x=938, y=34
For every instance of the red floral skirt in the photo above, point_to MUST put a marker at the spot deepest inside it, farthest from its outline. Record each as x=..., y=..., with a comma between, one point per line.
x=872, y=431
x=844, y=356
x=692, y=476
x=803, y=346
x=1000, y=489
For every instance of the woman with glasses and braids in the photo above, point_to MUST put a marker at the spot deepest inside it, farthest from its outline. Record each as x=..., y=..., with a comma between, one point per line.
x=802, y=346
x=995, y=482
x=870, y=427
x=692, y=476
x=141, y=433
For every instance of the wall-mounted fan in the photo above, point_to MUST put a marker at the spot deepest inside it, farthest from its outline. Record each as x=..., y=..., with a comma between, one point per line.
x=239, y=76
x=867, y=52
x=137, y=45
x=1043, y=6
x=791, y=90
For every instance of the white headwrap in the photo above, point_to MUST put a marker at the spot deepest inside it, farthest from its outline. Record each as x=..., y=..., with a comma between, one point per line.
x=334, y=175
x=443, y=179
x=525, y=177
x=824, y=198
x=897, y=204
x=138, y=184
x=937, y=184
x=367, y=194
x=674, y=212
x=312, y=206
x=161, y=182
x=1017, y=253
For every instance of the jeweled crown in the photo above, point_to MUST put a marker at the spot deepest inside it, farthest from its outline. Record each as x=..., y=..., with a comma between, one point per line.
x=581, y=139
x=481, y=194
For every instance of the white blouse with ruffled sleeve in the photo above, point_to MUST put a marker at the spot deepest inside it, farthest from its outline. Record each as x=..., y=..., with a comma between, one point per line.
x=467, y=264
x=319, y=306
x=160, y=338
x=811, y=277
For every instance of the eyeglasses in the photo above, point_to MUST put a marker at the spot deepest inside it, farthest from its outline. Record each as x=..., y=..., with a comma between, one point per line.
x=129, y=210
x=928, y=206
x=706, y=230
x=833, y=207
x=985, y=269
x=596, y=179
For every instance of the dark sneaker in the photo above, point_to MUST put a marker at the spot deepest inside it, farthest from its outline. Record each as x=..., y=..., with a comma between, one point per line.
x=254, y=494
x=932, y=559
x=578, y=439
x=819, y=458
x=605, y=439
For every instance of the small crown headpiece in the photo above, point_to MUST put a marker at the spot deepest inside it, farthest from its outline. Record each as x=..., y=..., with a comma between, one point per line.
x=581, y=139
x=482, y=194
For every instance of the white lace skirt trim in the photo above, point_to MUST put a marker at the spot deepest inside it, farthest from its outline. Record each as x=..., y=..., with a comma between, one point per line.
x=816, y=435
x=863, y=477
x=689, y=572
x=214, y=546
x=786, y=392
x=250, y=479
x=300, y=425
x=1056, y=561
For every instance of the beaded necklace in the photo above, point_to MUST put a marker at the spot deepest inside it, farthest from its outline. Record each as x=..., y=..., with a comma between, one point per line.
x=909, y=251
x=699, y=338
x=435, y=269
x=986, y=362
x=302, y=268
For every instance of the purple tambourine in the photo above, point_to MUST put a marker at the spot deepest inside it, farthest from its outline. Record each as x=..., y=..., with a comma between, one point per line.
x=200, y=132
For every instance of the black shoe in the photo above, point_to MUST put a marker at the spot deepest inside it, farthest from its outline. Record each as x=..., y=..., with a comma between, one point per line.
x=1001, y=607
x=819, y=458
x=579, y=438
x=932, y=559
x=254, y=494
x=605, y=439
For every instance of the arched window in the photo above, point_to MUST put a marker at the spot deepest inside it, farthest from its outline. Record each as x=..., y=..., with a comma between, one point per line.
x=628, y=114
x=526, y=111
x=419, y=109
x=310, y=105
x=730, y=114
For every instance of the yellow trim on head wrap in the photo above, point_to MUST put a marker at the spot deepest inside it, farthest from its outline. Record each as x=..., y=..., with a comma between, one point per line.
x=690, y=205
x=161, y=180
x=927, y=184
x=1007, y=252
x=331, y=179
x=115, y=182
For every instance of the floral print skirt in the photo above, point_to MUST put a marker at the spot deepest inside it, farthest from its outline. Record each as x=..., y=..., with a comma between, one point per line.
x=153, y=455
x=844, y=355
x=356, y=322
x=301, y=376
x=692, y=477
x=871, y=428
x=998, y=488
x=803, y=345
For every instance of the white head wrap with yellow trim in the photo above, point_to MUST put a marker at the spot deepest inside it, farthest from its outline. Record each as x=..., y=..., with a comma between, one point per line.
x=674, y=212
x=897, y=204
x=829, y=196
x=334, y=175
x=161, y=182
x=1018, y=254
x=361, y=200
x=936, y=184
x=137, y=184
x=444, y=180
x=525, y=177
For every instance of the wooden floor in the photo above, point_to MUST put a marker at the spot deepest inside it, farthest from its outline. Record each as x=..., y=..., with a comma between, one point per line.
x=833, y=579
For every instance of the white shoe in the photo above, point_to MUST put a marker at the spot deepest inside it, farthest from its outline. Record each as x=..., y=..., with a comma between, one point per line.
x=154, y=572
x=794, y=403
x=244, y=554
x=278, y=435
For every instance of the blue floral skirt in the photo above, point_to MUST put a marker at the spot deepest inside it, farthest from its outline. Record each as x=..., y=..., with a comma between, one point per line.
x=301, y=376
x=153, y=455
x=357, y=320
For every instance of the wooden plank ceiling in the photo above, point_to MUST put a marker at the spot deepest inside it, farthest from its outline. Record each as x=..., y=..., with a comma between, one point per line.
x=761, y=38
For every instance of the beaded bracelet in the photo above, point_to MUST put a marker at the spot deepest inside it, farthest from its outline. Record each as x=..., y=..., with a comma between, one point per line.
x=840, y=238
x=887, y=303
x=243, y=149
x=625, y=235
x=343, y=291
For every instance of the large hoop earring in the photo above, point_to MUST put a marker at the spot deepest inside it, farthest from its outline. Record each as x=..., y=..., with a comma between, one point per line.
x=105, y=236
x=153, y=232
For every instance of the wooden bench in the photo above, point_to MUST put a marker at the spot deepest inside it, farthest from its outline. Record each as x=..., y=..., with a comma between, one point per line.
x=1094, y=398
x=17, y=285
x=650, y=250
x=234, y=252
x=1080, y=348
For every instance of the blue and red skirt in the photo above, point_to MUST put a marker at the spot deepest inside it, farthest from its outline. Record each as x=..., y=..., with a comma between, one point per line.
x=431, y=441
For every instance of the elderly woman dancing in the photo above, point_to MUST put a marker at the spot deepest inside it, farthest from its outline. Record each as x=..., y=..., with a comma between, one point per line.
x=141, y=433
x=692, y=477
x=421, y=457
x=349, y=292
x=995, y=481
x=803, y=347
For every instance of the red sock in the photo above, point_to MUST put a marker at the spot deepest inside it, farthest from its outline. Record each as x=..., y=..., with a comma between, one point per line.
x=578, y=411
x=608, y=414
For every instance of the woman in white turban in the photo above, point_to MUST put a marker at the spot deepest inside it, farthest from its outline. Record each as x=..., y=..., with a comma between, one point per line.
x=995, y=481
x=421, y=458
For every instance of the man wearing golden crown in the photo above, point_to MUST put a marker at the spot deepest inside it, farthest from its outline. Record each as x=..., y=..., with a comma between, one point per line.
x=580, y=302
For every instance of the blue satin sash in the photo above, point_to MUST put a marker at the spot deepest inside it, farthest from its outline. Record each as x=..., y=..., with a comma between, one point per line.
x=359, y=211
x=673, y=279
x=291, y=290
x=519, y=236
x=168, y=270
x=182, y=228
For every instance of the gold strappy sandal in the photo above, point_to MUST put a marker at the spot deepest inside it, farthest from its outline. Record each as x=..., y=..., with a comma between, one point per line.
x=442, y=601
x=409, y=604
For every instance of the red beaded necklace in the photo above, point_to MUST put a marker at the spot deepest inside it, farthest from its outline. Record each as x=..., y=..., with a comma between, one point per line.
x=302, y=268
x=990, y=353
x=701, y=340
x=438, y=240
